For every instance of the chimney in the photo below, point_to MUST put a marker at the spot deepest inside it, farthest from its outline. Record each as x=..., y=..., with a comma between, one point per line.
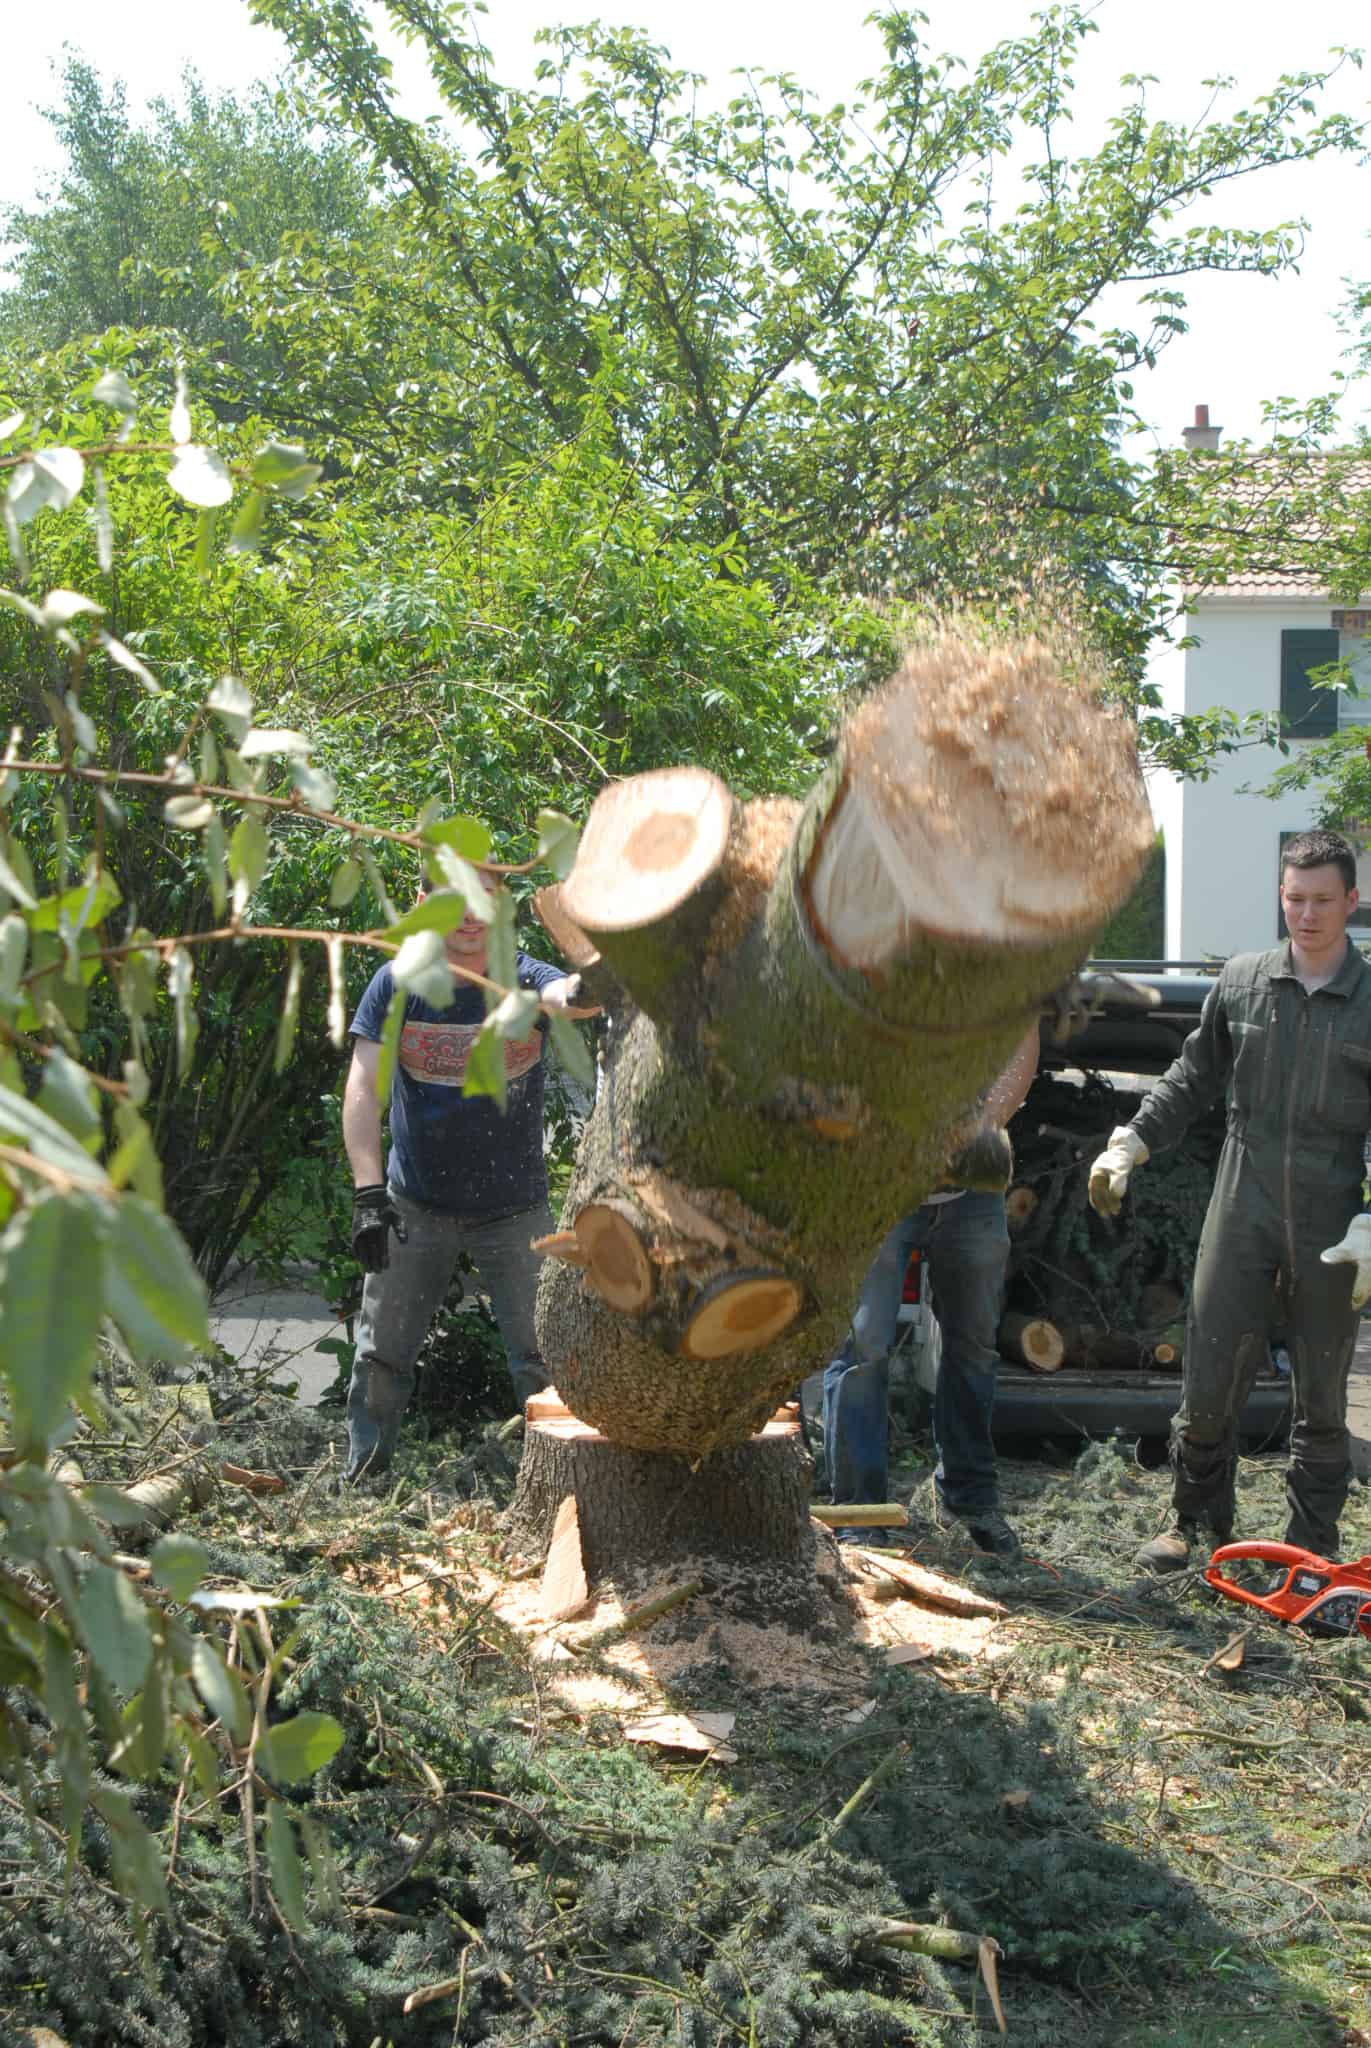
x=1201, y=435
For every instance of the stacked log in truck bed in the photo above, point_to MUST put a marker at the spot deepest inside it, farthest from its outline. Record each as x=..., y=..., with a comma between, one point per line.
x=1084, y=1290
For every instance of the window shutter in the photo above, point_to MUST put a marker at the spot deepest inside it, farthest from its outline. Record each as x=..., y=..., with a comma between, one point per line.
x=1307, y=713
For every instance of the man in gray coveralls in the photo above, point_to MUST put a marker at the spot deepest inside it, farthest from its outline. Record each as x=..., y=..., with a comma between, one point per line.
x=1287, y=1035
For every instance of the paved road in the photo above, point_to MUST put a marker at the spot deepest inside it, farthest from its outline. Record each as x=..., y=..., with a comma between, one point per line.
x=281, y=1326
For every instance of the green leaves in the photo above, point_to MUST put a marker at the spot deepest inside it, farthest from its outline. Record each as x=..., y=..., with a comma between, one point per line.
x=463, y=877
x=178, y=1565
x=571, y=1048
x=51, y=1301
x=421, y=968
x=248, y=851
x=466, y=836
x=502, y=964
x=347, y=880
x=200, y=476
x=486, y=1073
x=296, y=1749
x=279, y=466
x=232, y=705
x=137, y=1862
x=557, y=842
x=152, y=1287
x=442, y=910
x=283, y=1860
x=290, y=1009
x=515, y=1015
x=221, y=1690
x=390, y=1045
x=48, y=481
x=115, y=1627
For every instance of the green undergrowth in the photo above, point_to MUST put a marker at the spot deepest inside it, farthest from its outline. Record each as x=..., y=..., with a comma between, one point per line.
x=1165, y=1856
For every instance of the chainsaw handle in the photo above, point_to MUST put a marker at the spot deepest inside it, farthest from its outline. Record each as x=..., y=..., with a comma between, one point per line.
x=1270, y=1553
x=1268, y=1603
x=1287, y=1557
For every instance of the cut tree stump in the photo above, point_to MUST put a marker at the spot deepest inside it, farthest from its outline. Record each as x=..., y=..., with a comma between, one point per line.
x=747, y=1504
x=1032, y=1341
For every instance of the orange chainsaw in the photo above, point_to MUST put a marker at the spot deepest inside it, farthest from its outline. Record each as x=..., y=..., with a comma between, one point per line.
x=1311, y=1592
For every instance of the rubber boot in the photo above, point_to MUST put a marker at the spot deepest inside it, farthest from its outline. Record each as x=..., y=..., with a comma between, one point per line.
x=377, y=1399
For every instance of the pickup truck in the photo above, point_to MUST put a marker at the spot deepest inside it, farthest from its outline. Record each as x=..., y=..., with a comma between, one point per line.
x=1093, y=1332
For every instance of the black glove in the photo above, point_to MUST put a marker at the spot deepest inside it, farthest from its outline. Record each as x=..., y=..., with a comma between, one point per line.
x=374, y=1216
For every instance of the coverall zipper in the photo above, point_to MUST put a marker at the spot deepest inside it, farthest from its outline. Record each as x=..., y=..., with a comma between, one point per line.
x=1289, y=1161
x=1321, y=1101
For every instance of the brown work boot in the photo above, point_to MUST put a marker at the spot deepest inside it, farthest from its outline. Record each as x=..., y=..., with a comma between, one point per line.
x=1169, y=1552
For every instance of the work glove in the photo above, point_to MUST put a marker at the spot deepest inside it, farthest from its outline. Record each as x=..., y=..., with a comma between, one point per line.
x=374, y=1216
x=1354, y=1250
x=1109, y=1174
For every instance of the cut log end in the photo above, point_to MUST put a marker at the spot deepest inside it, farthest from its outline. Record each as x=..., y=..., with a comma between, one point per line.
x=742, y=1312
x=615, y=1256
x=1033, y=1341
x=648, y=845
x=987, y=799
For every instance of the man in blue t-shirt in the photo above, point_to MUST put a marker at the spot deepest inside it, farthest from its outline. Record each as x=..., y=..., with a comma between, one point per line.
x=463, y=1176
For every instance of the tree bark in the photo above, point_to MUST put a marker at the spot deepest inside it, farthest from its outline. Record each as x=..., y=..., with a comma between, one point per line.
x=822, y=992
x=746, y=1505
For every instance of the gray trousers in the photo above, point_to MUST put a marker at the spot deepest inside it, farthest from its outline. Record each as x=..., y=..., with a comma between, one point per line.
x=399, y=1304
x=1248, y=1242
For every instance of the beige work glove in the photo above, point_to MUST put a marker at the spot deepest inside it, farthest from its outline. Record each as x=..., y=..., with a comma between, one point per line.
x=1354, y=1249
x=1109, y=1174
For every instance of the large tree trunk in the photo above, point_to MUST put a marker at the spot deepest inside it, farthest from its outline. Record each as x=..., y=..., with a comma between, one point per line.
x=748, y=1504
x=814, y=997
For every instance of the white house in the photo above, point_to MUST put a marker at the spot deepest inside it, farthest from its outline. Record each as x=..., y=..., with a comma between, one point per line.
x=1256, y=640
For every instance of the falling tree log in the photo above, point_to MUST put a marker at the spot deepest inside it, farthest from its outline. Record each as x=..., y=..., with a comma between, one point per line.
x=814, y=997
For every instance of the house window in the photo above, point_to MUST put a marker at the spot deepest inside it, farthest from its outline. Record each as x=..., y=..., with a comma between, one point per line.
x=1359, y=924
x=1307, y=713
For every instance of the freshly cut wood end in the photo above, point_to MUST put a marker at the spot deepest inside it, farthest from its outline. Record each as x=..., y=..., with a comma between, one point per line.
x=649, y=843
x=615, y=1257
x=564, y=1590
x=1033, y=1340
x=989, y=798
x=743, y=1312
x=563, y=930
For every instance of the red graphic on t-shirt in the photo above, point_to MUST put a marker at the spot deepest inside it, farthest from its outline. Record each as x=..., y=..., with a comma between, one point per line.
x=439, y=1052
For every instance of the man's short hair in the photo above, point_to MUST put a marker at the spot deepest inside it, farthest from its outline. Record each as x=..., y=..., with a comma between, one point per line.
x=1320, y=850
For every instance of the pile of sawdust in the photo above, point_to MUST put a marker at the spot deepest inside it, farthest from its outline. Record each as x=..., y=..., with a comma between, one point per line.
x=642, y=1670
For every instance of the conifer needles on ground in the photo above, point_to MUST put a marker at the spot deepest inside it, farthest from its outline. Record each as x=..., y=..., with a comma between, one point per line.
x=1164, y=1853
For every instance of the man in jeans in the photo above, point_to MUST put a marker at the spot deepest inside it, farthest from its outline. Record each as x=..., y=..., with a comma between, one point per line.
x=463, y=1176
x=964, y=1236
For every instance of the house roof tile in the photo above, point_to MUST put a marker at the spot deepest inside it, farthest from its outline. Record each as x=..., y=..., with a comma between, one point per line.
x=1262, y=488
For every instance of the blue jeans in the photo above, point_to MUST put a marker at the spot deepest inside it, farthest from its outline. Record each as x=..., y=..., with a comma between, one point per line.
x=399, y=1304
x=966, y=1244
